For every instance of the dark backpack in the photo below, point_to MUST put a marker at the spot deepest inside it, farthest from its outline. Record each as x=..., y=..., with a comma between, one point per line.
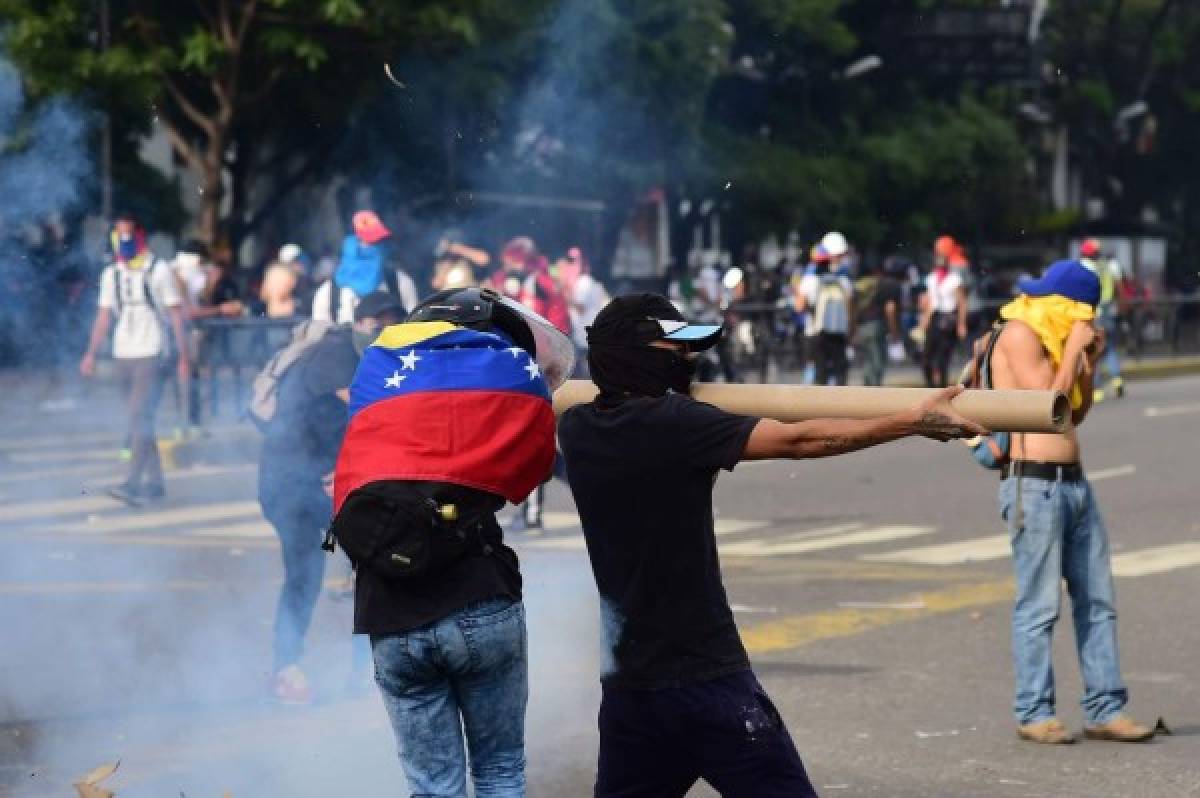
x=990, y=451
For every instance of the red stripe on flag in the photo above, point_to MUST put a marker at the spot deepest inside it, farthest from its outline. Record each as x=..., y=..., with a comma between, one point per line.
x=498, y=442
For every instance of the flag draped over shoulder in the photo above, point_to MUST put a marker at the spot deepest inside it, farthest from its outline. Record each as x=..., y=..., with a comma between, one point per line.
x=432, y=401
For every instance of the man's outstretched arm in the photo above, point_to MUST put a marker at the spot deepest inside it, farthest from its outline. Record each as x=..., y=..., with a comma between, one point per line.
x=934, y=418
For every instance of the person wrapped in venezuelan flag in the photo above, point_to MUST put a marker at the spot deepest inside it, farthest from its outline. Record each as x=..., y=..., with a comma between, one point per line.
x=450, y=416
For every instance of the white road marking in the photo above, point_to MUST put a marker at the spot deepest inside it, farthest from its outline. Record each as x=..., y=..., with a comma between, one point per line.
x=1171, y=410
x=1109, y=473
x=62, y=473
x=1157, y=560
x=55, y=508
x=249, y=529
x=861, y=537
x=64, y=455
x=62, y=439
x=153, y=519
x=960, y=553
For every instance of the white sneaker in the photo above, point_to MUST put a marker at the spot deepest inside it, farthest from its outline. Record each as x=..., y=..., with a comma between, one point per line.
x=291, y=687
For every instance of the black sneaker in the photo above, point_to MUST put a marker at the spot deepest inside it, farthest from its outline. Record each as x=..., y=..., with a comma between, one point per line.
x=124, y=493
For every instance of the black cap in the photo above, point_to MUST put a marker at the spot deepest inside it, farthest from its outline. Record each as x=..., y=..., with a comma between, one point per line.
x=640, y=319
x=379, y=303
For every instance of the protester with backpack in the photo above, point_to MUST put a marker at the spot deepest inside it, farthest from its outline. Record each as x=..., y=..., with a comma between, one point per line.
x=363, y=267
x=142, y=296
x=827, y=299
x=302, y=434
x=450, y=417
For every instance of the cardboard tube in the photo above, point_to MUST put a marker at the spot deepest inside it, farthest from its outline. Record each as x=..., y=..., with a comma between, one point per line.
x=999, y=411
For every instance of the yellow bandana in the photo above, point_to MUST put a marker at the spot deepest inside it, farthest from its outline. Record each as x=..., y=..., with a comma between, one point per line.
x=1052, y=318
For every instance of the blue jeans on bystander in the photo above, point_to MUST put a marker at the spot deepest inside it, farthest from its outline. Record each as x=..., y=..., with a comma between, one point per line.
x=467, y=673
x=1057, y=533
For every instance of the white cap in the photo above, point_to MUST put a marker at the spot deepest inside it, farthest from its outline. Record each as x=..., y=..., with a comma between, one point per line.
x=835, y=244
x=289, y=253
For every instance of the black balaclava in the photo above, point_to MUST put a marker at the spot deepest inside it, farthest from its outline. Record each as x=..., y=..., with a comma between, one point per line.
x=639, y=370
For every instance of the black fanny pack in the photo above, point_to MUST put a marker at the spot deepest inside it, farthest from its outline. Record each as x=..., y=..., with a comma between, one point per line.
x=406, y=531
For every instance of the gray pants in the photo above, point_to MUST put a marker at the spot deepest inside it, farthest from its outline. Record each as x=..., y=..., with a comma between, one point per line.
x=141, y=380
x=872, y=348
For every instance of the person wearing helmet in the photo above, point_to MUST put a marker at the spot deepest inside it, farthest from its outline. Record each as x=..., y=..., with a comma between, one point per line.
x=944, y=315
x=1108, y=269
x=450, y=416
x=680, y=701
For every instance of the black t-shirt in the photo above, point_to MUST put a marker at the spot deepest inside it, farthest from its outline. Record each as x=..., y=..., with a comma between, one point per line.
x=302, y=441
x=642, y=471
x=873, y=294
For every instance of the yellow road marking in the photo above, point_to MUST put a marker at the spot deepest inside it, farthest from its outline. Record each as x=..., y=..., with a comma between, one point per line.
x=799, y=630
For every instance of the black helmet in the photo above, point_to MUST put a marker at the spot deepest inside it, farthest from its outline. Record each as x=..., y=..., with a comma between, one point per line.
x=479, y=309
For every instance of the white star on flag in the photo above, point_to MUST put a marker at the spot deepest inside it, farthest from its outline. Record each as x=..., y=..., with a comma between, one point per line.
x=533, y=369
x=409, y=361
x=394, y=380
x=514, y=350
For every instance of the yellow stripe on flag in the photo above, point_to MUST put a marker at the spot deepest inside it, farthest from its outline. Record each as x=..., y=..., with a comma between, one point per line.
x=412, y=333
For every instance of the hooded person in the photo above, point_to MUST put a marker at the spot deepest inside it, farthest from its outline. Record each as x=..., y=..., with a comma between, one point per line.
x=679, y=699
x=1049, y=342
x=363, y=267
x=450, y=416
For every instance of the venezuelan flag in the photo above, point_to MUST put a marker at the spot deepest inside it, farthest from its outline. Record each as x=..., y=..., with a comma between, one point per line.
x=432, y=401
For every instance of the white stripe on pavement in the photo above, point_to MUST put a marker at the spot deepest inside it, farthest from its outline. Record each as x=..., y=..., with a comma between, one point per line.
x=1156, y=560
x=152, y=519
x=1171, y=410
x=1109, y=473
x=961, y=553
x=861, y=537
x=249, y=529
x=55, y=508
x=64, y=455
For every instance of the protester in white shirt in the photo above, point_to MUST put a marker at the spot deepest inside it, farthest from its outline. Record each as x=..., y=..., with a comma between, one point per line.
x=585, y=295
x=361, y=270
x=143, y=296
x=944, y=314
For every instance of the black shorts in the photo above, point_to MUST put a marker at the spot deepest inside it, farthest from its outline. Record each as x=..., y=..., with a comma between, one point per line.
x=658, y=743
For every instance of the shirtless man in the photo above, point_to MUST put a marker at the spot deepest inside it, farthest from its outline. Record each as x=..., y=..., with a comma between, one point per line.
x=1056, y=529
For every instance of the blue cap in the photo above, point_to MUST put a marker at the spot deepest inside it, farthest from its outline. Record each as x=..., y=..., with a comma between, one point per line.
x=1065, y=278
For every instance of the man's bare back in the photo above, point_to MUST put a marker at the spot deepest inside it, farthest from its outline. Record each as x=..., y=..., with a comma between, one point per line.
x=1020, y=361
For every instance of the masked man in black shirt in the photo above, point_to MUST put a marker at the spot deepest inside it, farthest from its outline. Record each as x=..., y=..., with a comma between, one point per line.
x=680, y=701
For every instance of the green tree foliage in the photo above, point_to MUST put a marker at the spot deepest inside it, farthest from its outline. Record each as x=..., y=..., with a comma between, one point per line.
x=212, y=70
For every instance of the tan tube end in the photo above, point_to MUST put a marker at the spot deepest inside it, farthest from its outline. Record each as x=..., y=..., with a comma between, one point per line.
x=1060, y=413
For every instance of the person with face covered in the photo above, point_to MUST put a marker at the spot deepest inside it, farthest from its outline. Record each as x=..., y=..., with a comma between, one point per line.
x=679, y=699
x=295, y=471
x=140, y=294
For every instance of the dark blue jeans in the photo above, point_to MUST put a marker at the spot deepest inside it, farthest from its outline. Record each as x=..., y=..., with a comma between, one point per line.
x=467, y=673
x=299, y=517
x=657, y=743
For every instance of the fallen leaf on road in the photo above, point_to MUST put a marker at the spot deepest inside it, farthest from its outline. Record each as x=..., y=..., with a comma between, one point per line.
x=88, y=785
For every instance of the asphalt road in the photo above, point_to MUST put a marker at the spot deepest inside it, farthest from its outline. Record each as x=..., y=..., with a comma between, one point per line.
x=873, y=591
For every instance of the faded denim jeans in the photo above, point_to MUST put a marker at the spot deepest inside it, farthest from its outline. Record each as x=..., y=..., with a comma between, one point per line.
x=465, y=674
x=1057, y=533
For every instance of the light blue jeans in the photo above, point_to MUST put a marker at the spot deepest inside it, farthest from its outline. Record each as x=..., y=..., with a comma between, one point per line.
x=1057, y=533
x=466, y=673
